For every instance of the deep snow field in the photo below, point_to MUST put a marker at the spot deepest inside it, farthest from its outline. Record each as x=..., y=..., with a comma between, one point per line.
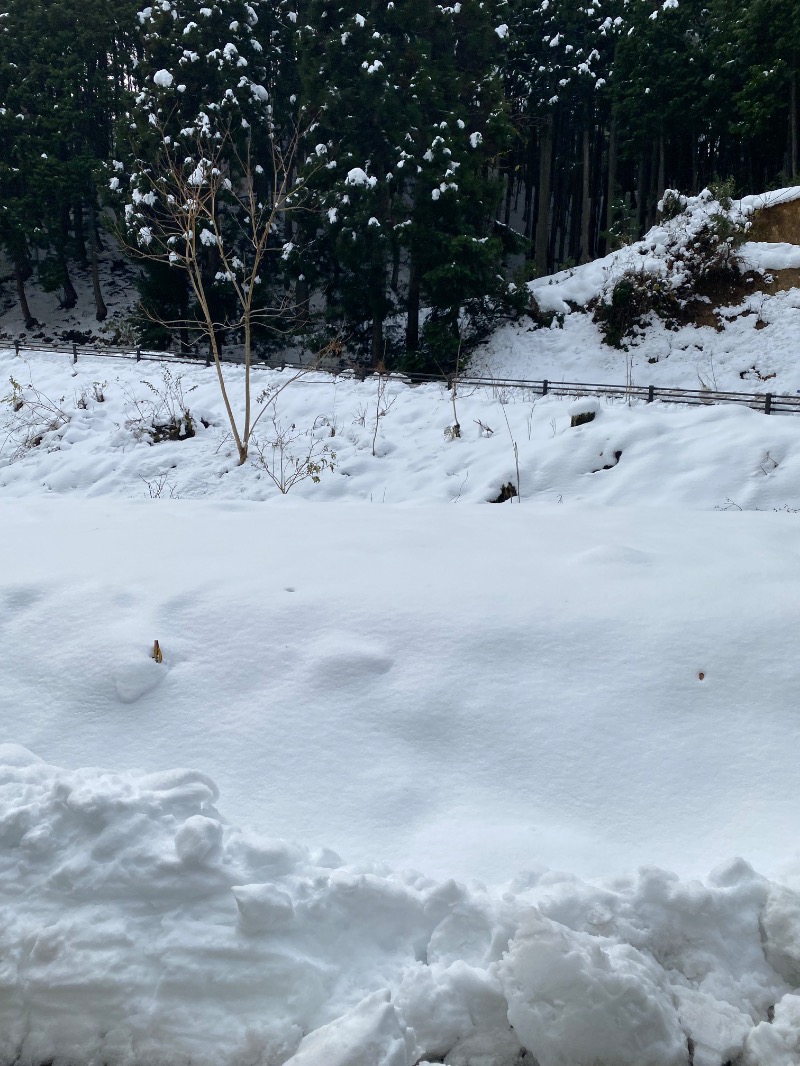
x=437, y=756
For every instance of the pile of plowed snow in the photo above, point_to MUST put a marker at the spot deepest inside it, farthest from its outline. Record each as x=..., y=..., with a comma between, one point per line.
x=138, y=927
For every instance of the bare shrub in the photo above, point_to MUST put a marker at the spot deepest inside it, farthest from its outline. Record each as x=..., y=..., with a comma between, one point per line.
x=163, y=414
x=32, y=416
x=289, y=455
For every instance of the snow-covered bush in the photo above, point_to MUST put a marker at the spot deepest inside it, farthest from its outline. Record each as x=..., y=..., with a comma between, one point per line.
x=163, y=414
x=671, y=205
x=693, y=250
x=635, y=297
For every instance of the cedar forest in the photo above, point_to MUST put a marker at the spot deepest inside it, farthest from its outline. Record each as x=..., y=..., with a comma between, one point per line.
x=382, y=175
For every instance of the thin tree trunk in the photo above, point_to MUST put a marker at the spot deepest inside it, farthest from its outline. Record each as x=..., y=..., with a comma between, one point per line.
x=652, y=193
x=641, y=193
x=527, y=213
x=412, y=306
x=395, y=280
x=695, y=163
x=302, y=296
x=183, y=310
x=101, y=311
x=611, y=193
x=509, y=196
x=586, y=202
x=70, y=296
x=19, y=278
x=80, y=236
x=376, y=345
x=793, y=148
x=568, y=227
x=661, y=181
x=545, y=188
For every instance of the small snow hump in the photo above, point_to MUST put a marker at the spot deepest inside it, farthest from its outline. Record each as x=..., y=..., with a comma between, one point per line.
x=584, y=409
x=371, y=1034
x=198, y=841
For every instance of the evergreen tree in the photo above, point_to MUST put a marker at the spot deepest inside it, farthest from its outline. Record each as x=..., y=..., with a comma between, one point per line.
x=410, y=118
x=61, y=65
x=208, y=86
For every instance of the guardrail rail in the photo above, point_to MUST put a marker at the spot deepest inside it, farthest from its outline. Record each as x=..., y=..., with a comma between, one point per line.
x=767, y=402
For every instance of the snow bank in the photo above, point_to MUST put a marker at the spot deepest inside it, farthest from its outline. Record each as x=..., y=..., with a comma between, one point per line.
x=391, y=446
x=125, y=940
x=758, y=201
x=771, y=256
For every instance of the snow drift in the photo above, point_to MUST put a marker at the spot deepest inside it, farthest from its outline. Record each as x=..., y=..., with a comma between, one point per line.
x=137, y=926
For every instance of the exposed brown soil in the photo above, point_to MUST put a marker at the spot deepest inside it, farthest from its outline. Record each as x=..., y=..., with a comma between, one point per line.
x=729, y=293
x=720, y=291
x=781, y=280
x=777, y=224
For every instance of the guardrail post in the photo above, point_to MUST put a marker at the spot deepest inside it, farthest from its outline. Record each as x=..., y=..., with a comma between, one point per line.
x=544, y=387
x=768, y=404
x=138, y=355
x=16, y=349
x=650, y=393
x=74, y=352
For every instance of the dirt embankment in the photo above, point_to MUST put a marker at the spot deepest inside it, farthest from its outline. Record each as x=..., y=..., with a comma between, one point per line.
x=779, y=223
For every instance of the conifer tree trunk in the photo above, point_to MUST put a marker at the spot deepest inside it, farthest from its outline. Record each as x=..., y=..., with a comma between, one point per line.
x=302, y=296
x=20, y=273
x=70, y=295
x=611, y=188
x=651, y=192
x=545, y=190
x=394, y=284
x=412, y=306
x=586, y=202
x=661, y=180
x=376, y=344
x=100, y=309
x=80, y=237
x=695, y=162
x=793, y=147
x=530, y=168
x=509, y=192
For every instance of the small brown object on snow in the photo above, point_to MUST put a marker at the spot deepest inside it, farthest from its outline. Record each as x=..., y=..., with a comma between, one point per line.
x=701, y=676
x=157, y=655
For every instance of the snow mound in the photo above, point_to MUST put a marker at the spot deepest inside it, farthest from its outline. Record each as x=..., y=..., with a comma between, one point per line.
x=667, y=251
x=139, y=927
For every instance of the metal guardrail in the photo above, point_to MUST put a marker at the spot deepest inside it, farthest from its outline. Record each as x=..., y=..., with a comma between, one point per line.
x=767, y=402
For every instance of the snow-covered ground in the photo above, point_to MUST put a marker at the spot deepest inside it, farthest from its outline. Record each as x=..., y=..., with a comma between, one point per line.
x=438, y=755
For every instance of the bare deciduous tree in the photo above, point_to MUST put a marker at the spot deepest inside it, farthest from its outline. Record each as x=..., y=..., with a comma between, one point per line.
x=214, y=213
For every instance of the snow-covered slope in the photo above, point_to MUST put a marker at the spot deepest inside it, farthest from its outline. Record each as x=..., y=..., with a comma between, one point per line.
x=371, y=698
x=388, y=442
